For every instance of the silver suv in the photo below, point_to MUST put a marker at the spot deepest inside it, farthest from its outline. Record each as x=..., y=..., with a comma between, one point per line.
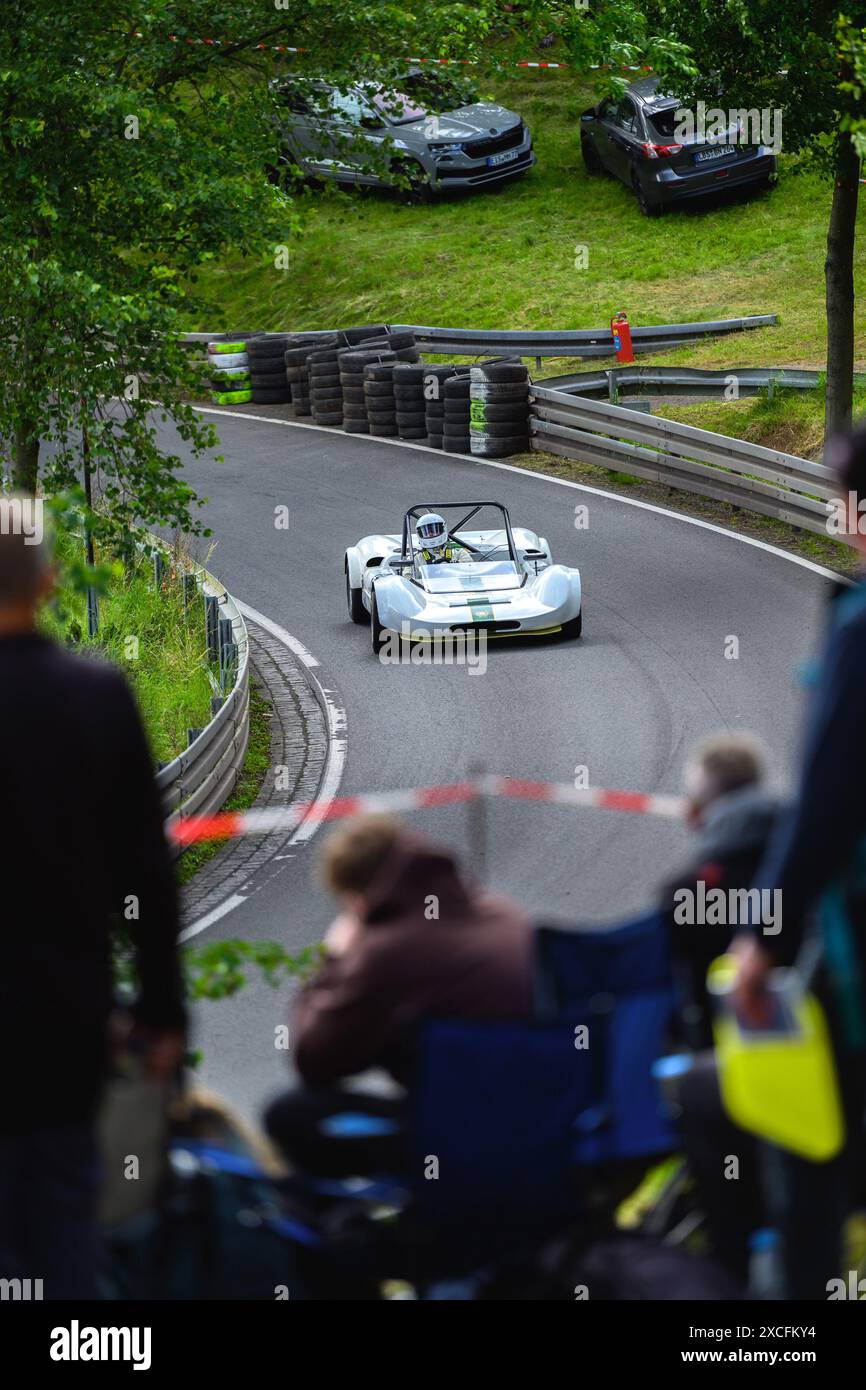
x=366, y=135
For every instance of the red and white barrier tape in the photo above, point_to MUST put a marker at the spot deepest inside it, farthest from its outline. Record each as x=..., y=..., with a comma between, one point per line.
x=229, y=825
x=440, y=62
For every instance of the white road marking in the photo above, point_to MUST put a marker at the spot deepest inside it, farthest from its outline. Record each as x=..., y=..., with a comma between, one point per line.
x=208, y=920
x=543, y=477
x=335, y=761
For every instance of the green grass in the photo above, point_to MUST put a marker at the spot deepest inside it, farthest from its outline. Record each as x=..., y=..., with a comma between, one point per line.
x=253, y=772
x=507, y=260
x=142, y=630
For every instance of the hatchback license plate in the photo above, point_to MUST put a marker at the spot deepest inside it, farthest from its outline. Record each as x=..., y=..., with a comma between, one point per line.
x=719, y=152
x=505, y=157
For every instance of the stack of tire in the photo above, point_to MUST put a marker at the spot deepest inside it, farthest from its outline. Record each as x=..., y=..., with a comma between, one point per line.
x=298, y=369
x=434, y=401
x=382, y=352
x=455, y=418
x=326, y=390
x=410, y=415
x=353, y=364
x=228, y=369
x=499, y=409
x=267, y=355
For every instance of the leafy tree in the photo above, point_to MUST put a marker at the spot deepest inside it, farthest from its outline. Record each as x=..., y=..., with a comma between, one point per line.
x=132, y=152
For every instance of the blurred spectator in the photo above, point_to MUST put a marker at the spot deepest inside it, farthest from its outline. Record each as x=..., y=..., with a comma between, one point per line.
x=732, y=814
x=413, y=941
x=817, y=859
x=84, y=847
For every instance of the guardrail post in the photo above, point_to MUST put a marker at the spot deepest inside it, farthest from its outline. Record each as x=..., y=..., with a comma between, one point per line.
x=771, y=389
x=189, y=591
x=612, y=389
x=191, y=736
x=92, y=612
x=158, y=568
x=216, y=704
x=212, y=621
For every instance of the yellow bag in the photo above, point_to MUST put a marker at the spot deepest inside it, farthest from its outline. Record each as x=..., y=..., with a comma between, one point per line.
x=780, y=1086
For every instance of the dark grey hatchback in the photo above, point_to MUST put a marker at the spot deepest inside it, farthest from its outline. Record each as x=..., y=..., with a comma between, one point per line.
x=635, y=138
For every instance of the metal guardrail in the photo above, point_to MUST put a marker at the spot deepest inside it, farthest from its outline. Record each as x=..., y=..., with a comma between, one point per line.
x=684, y=381
x=584, y=342
x=751, y=476
x=581, y=342
x=199, y=779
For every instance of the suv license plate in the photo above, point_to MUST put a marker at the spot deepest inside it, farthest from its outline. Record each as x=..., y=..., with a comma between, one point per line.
x=504, y=158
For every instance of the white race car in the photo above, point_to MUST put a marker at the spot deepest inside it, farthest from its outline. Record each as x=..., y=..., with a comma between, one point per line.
x=500, y=579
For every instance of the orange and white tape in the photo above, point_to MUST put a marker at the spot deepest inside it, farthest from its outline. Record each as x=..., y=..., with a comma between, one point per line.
x=228, y=825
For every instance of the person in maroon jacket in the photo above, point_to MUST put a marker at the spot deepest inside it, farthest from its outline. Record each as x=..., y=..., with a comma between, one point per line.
x=414, y=941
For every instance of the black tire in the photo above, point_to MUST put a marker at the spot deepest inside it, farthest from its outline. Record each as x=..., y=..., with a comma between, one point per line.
x=456, y=444
x=435, y=410
x=376, y=628
x=374, y=388
x=354, y=394
x=351, y=336
x=301, y=408
x=379, y=377
x=384, y=431
x=456, y=388
x=401, y=340
x=356, y=426
x=411, y=432
x=327, y=417
x=500, y=429
x=572, y=629
x=410, y=373
x=382, y=417
x=353, y=411
x=413, y=418
x=262, y=397
x=591, y=161
x=324, y=381
x=435, y=441
x=327, y=401
x=484, y=447
x=268, y=381
x=647, y=208
x=357, y=611
x=320, y=355
x=501, y=372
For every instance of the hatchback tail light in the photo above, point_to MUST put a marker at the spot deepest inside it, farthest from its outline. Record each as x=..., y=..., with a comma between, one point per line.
x=657, y=151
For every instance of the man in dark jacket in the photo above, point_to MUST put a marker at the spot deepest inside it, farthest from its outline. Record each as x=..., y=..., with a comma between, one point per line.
x=414, y=942
x=732, y=815
x=83, y=848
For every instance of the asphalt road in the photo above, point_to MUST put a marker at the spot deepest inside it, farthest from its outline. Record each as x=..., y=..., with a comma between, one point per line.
x=650, y=675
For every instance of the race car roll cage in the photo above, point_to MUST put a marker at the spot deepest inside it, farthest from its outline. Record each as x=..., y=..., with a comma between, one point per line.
x=409, y=555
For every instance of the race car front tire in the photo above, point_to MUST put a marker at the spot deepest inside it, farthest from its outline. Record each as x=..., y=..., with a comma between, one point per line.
x=376, y=629
x=357, y=611
x=573, y=628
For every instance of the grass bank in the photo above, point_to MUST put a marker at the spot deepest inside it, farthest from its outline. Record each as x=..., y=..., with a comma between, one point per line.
x=143, y=630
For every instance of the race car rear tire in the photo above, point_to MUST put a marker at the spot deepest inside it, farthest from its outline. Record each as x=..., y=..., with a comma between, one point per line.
x=357, y=611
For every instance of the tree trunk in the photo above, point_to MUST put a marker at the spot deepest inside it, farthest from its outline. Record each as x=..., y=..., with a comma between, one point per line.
x=839, y=275
x=25, y=466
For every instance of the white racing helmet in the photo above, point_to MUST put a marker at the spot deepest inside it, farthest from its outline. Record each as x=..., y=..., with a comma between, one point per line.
x=432, y=532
